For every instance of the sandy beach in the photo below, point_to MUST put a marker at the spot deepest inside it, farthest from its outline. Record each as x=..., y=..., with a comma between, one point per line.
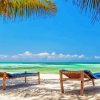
x=49, y=89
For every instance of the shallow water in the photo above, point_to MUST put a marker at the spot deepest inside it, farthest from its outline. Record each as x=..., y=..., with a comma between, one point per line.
x=47, y=67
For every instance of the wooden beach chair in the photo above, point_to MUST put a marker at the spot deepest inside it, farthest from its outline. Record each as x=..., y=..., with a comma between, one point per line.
x=82, y=76
x=5, y=76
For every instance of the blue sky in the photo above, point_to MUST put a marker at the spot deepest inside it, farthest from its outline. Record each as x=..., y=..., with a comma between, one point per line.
x=68, y=32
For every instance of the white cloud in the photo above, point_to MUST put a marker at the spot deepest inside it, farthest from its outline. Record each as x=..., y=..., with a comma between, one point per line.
x=53, y=53
x=97, y=57
x=44, y=56
x=26, y=53
x=3, y=56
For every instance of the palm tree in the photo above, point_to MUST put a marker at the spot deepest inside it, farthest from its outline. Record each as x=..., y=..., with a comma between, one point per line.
x=91, y=6
x=13, y=8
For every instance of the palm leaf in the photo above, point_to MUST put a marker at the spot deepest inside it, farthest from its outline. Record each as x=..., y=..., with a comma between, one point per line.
x=92, y=6
x=25, y=8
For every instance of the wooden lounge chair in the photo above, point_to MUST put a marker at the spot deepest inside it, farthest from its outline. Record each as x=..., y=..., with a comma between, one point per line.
x=5, y=76
x=82, y=76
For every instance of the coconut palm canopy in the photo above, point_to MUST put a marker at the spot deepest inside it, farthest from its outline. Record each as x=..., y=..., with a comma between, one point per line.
x=13, y=8
x=92, y=6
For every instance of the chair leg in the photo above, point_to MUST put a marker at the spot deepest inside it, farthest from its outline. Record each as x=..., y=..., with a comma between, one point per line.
x=61, y=82
x=38, y=78
x=25, y=79
x=82, y=88
x=4, y=82
x=82, y=84
x=93, y=82
x=25, y=76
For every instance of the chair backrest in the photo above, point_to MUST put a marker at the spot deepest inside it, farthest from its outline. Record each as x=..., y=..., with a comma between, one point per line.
x=89, y=73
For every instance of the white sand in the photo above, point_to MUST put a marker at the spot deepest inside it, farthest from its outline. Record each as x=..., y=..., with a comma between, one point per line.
x=49, y=89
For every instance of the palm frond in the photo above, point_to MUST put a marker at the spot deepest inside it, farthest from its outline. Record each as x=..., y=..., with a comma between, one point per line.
x=93, y=6
x=13, y=8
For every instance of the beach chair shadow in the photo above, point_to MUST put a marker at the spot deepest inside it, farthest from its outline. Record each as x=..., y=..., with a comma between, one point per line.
x=17, y=86
x=87, y=91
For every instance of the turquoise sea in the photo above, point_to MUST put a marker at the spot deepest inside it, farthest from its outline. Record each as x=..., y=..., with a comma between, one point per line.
x=48, y=67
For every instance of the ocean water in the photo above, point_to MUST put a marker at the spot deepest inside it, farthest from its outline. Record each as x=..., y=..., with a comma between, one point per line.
x=47, y=67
